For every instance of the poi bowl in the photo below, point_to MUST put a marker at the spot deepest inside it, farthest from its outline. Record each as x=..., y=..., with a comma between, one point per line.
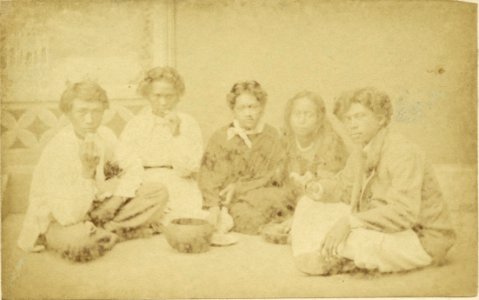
x=189, y=235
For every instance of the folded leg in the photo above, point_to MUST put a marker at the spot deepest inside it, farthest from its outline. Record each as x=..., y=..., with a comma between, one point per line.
x=80, y=242
x=311, y=222
x=146, y=208
x=385, y=252
x=367, y=249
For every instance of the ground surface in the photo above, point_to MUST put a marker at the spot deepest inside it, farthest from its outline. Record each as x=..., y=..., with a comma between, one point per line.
x=149, y=268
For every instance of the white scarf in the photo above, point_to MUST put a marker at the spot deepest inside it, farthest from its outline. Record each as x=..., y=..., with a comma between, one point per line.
x=236, y=129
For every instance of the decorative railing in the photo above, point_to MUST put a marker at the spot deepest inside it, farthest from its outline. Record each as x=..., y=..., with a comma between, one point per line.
x=27, y=126
x=42, y=49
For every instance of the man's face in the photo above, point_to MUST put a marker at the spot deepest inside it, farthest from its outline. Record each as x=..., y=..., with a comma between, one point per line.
x=163, y=97
x=248, y=111
x=362, y=123
x=86, y=116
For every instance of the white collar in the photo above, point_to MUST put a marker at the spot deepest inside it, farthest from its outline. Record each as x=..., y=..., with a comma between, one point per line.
x=304, y=149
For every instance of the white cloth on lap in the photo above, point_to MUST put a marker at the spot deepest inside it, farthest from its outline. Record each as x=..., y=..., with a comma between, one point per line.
x=312, y=221
x=369, y=249
x=386, y=252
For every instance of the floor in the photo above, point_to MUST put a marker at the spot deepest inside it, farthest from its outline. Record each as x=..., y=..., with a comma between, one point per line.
x=149, y=268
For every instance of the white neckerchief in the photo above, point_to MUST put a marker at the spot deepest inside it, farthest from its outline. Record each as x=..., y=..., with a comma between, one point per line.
x=236, y=129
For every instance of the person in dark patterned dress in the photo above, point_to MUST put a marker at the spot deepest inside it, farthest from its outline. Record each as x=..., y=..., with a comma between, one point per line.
x=241, y=167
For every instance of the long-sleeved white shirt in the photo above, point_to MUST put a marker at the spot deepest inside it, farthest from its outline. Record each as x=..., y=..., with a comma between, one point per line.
x=60, y=193
x=150, y=138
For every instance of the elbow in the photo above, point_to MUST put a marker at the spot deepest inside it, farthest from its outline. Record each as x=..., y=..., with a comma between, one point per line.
x=407, y=217
x=403, y=220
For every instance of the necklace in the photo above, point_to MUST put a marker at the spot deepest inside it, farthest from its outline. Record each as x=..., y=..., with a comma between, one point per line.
x=304, y=149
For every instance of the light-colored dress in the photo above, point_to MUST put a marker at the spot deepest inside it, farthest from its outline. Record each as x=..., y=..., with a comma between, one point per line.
x=171, y=160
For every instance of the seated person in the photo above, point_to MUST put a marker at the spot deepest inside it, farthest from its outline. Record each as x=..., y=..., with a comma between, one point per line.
x=168, y=142
x=240, y=165
x=398, y=219
x=86, y=195
x=313, y=148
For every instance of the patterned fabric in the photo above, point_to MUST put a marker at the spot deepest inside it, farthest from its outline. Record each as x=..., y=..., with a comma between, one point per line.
x=133, y=218
x=326, y=157
x=256, y=171
x=242, y=133
x=232, y=161
x=328, y=154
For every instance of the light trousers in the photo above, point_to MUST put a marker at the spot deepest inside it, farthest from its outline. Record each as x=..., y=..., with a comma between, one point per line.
x=368, y=249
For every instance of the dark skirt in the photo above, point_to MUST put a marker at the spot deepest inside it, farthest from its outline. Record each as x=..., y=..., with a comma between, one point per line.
x=256, y=208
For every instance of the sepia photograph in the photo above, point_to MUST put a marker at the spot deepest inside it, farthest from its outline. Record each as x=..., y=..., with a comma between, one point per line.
x=178, y=149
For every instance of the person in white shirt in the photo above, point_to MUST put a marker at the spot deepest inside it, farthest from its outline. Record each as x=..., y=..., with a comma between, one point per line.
x=168, y=142
x=86, y=194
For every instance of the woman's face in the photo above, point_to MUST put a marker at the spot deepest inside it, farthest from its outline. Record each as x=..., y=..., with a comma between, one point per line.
x=163, y=97
x=304, y=117
x=248, y=111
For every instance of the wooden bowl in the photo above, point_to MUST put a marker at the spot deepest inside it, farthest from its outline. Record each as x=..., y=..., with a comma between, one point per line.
x=189, y=235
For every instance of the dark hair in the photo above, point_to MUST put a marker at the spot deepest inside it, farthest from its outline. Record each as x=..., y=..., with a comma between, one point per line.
x=377, y=101
x=85, y=90
x=320, y=110
x=252, y=87
x=161, y=73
